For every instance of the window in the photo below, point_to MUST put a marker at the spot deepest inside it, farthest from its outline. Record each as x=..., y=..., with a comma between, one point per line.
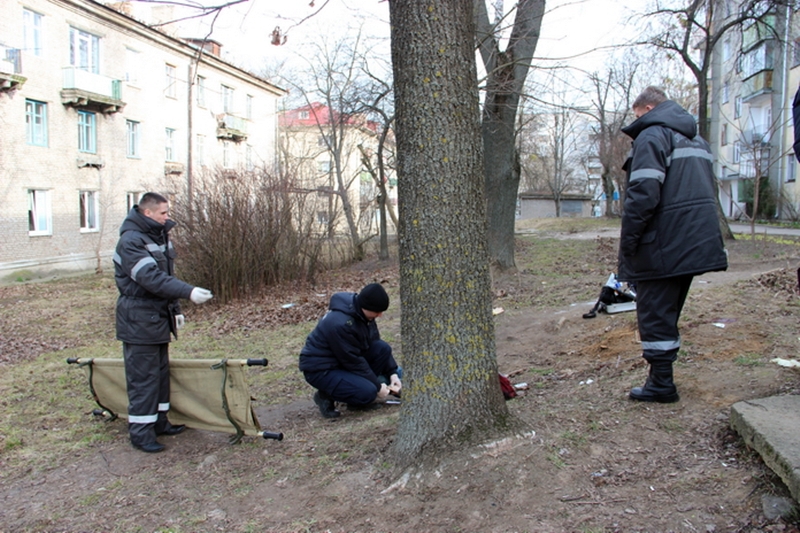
x=791, y=168
x=725, y=93
x=324, y=140
x=171, y=81
x=737, y=152
x=723, y=137
x=169, y=146
x=227, y=154
x=200, y=149
x=726, y=50
x=87, y=132
x=201, y=91
x=32, y=32
x=227, y=99
x=133, y=138
x=36, y=122
x=131, y=66
x=84, y=50
x=88, y=210
x=303, y=115
x=39, y=216
x=248, y=107
x=737, y=107
x=133, y=199
x=324, y=166
x=796, y=53
x=248, y=156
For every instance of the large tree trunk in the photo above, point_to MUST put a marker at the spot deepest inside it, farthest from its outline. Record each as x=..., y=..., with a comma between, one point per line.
x=452, y=392
x=506, y=72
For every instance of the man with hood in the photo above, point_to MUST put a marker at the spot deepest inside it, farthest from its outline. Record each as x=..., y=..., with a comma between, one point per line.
x=344, y=357
x=147, y=312
x=670, y=231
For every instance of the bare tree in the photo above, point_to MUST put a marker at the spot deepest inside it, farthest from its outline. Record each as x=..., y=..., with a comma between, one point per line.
x=447, y=325
x=506, y=71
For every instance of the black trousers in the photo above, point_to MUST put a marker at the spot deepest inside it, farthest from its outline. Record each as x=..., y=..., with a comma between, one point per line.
x=147, y=381
x=659, y=303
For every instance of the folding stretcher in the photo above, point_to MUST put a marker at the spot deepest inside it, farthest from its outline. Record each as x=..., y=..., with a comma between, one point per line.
x=204, y=393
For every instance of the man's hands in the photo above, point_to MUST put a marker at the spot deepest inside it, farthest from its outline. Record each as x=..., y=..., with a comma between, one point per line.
x=395, y=385
x=200, y=296
x=383, y=393
x=180, y=320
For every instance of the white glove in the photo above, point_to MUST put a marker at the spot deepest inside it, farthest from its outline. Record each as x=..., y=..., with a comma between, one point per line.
x=200, y=296
x=180, y=320
x=394, y=384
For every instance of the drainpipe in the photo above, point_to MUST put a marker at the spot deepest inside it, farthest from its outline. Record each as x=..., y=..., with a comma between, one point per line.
x=784, y=107
x=190, y=134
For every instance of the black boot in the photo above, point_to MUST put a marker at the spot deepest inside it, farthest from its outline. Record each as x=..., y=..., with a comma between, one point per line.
x=326, y=407
x=658, y=387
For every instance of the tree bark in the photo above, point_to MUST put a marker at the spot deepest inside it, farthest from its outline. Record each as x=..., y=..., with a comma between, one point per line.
x=506, y=72
x=451, y=391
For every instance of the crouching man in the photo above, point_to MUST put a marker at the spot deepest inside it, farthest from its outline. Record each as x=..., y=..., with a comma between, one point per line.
x=344, y=357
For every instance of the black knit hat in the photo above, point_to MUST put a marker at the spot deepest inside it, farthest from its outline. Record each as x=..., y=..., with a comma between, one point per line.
x=373, y=298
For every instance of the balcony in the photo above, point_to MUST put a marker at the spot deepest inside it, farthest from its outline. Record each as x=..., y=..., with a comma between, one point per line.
x=10, y=69
x=231, y=127
x=758, y=31
x=756, y=85
x=89, y=90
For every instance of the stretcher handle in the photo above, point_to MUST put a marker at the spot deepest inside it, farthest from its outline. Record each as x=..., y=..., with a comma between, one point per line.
x=271, y=435
x=72, y=360
x=257, y=362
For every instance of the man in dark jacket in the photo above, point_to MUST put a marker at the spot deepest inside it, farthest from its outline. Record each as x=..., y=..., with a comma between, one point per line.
x=344, y=357
x=670, y=231
x=147, y=312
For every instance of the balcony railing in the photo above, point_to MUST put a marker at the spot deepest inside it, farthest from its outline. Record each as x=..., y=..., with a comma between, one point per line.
x=756, y=85
x=231, y=127
x=10, y=68
x=87, y=89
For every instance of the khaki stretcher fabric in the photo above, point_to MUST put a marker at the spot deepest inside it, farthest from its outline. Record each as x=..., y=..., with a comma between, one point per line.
x=195, y=393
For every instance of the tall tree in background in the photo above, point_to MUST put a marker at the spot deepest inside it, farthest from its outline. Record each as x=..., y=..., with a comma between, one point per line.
x=506, y=71
x=611, y=110
x=452, y=392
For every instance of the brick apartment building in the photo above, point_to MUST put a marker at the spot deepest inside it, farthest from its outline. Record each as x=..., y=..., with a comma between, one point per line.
x=96, y=108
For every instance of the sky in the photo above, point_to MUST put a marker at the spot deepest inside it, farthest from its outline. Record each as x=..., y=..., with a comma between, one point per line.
x=569, y=28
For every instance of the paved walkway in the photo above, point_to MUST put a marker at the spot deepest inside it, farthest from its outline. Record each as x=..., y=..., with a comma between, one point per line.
x=762, y=229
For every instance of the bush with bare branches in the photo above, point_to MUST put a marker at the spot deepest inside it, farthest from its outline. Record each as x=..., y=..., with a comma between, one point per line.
x=244, y=230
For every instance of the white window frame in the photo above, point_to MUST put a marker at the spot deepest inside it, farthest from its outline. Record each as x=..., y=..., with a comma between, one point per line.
x=132, y=199
x=227, y=154
x=201, y=91
x=89, y=211
x=40, y=215
x=133, y=129
x=169, y=145
x=737, y=152
x=324, y=167
x=248, y=158
x=88, y=60
x=87, y=132
x=132, y=66
x=36, y=122
x=737, y=107
x=200, y=149
x=248, y=107
x=32, y=32
x=171, y=80
x=791, y=168
x=227, y=95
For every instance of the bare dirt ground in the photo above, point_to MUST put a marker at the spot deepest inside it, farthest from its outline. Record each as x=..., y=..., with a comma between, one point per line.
x=592, y=461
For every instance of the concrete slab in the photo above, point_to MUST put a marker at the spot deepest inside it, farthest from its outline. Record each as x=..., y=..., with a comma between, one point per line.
x=771, y=426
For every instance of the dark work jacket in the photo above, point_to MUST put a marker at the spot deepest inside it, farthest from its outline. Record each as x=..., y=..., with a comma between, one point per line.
x=669, y=219
x=148, y=291
x=796, y=122
x=341, y=339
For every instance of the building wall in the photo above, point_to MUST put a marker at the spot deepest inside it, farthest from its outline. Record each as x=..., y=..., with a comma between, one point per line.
x=545, y=207
x=753, y=80
x=136, y=55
